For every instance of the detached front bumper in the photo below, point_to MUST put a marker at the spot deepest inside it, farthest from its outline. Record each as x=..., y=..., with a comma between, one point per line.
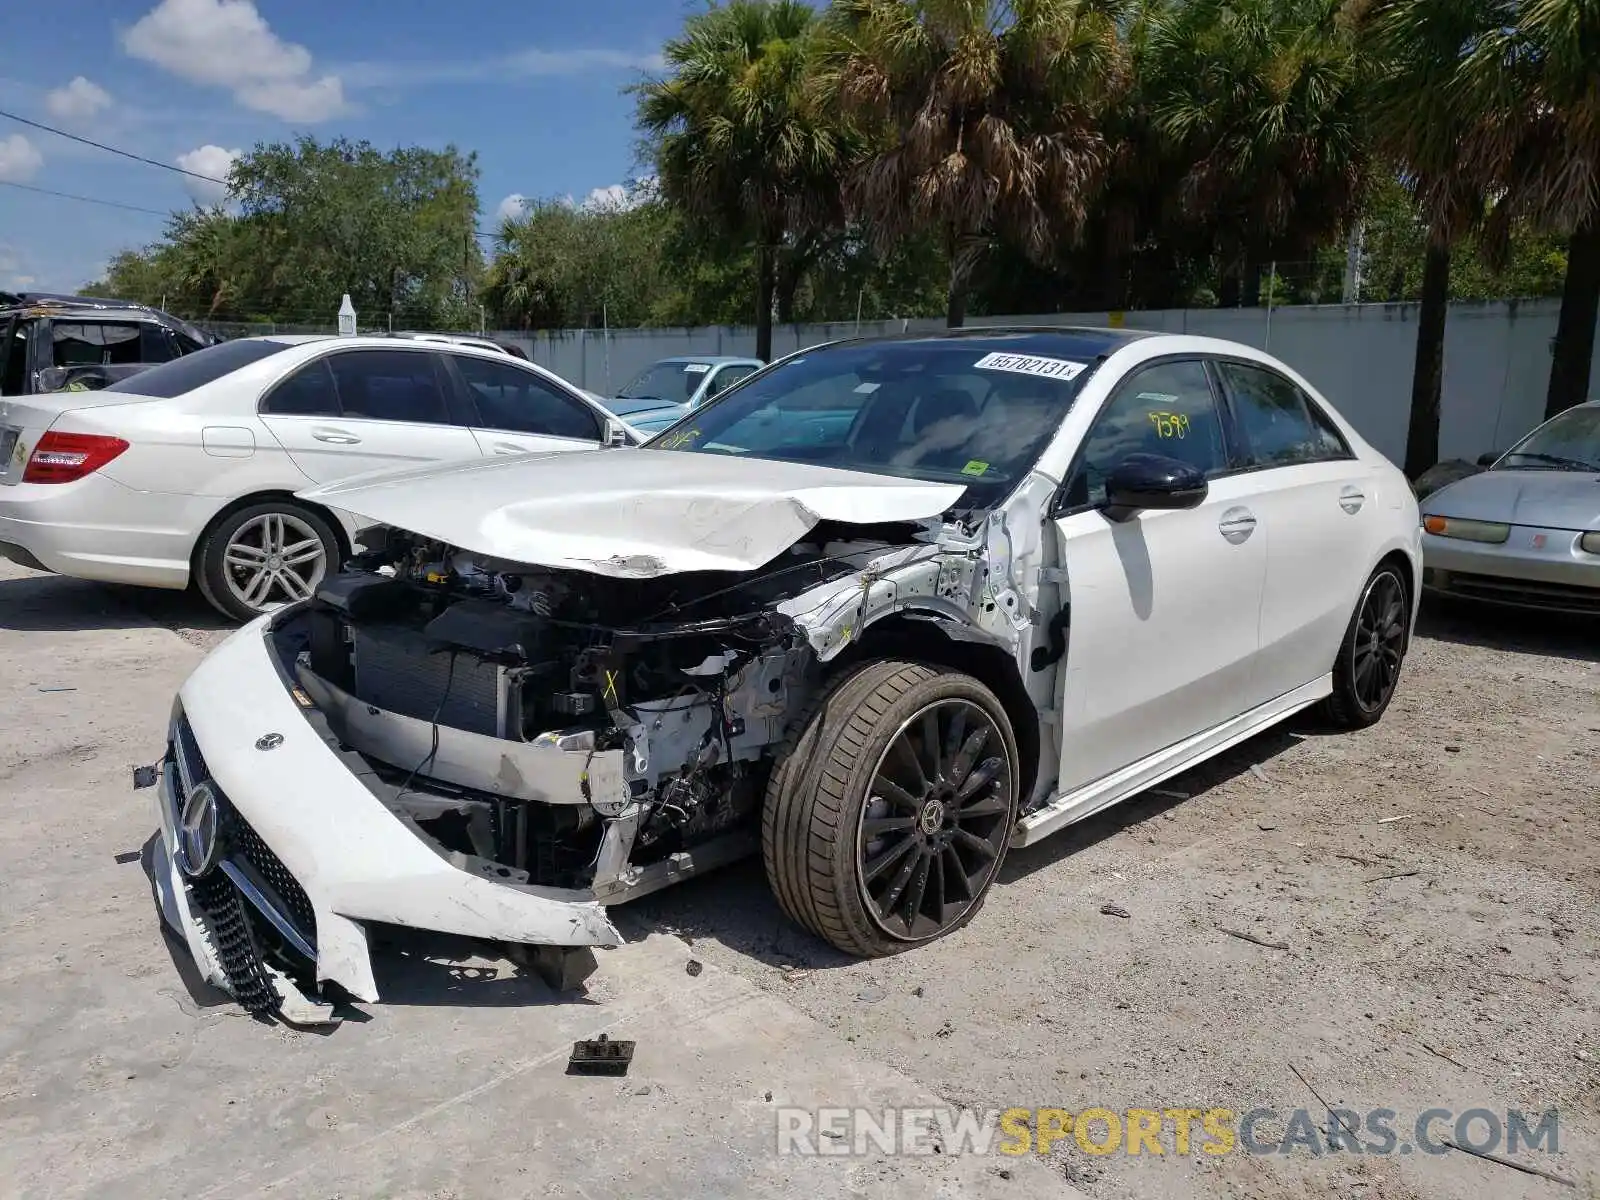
x=308, y=851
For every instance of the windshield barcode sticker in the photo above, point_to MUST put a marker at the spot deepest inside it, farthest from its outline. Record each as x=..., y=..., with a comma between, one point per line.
x=697, y=368
x=1028, y=364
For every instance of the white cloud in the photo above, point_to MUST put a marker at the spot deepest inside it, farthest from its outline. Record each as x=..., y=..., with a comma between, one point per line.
x=13, y=276
x=614, y=196
x=226, y=43
x=533, y=62
x=620, y=197
x=529, y=63
x=208, y=160
x=78, y=101
x=20, y=160
x=511, y=208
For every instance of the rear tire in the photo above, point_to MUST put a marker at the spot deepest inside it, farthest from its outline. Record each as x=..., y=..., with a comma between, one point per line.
x=1367, y=670
x=889, y=810
x=263, y=556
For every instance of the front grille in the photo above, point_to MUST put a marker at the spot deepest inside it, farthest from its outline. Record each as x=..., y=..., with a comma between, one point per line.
x=1564, y=596
x=235, y=943
x=237, y=924
x=247, y=843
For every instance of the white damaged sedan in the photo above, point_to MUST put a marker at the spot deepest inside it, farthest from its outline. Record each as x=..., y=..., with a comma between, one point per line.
x=877, y=613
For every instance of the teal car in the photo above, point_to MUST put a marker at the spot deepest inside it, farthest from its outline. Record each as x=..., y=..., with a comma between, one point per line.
x=669, y=390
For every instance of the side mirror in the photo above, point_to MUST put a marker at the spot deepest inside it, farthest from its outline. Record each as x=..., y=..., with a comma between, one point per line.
x=1151, y=481
x=616, y=433
x=1488, y=459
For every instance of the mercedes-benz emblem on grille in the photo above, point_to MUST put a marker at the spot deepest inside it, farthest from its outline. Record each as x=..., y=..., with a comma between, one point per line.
x=269, y=741
x=197, y=832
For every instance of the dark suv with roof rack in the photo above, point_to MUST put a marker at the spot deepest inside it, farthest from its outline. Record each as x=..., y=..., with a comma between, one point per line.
x=52, y=343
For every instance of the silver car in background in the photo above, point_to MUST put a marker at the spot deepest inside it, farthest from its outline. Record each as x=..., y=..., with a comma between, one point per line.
x=1527, y=530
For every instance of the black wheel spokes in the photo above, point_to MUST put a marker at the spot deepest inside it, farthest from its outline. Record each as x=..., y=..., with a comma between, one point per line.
x=934, y=826
x=1379, y=642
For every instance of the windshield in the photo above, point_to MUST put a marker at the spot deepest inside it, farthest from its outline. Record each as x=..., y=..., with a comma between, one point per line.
x=1570, y=442
x=971, y=410
x=674, y=382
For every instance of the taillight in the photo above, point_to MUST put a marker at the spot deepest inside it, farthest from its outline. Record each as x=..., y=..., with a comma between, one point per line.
x=63, y=457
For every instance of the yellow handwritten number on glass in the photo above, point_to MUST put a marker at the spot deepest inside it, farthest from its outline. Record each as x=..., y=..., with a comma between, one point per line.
x=1170, y=424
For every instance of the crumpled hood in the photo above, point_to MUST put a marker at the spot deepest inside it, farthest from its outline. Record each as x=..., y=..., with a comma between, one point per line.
x=631, y=513
x=1546, y=499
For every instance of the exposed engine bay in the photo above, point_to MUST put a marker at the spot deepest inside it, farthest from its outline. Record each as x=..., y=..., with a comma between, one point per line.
x=458, y=678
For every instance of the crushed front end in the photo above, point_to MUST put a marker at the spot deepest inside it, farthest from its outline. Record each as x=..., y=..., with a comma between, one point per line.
x=449, y=742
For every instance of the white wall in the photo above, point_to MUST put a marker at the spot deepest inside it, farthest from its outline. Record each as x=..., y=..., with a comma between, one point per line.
x=1497, y=357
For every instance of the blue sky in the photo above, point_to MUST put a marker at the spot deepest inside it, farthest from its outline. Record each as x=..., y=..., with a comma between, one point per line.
x=532, y=85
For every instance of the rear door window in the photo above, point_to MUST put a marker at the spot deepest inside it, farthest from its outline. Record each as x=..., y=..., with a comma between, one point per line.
x=1281, y=425
x=726, y=378
x=519, y=400
x=157, y=345
x=390, y=385
x=309, y=392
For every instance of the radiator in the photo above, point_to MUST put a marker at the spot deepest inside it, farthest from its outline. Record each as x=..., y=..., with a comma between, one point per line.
x=395, y=670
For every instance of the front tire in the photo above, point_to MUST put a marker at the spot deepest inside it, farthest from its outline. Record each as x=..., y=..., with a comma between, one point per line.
x=1367, y=669
x=889, y=812
x=263, y=556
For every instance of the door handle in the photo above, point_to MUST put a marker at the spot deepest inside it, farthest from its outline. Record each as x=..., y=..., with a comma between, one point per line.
x=1237, y=525
x=1351, y=498
x=335, y=437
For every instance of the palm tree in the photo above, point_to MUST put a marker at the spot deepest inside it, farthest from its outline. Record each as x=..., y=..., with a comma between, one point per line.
x=1537, y=70
x=1429, y=125
x=739, y=144
x=984, y=115
x=1258, y=102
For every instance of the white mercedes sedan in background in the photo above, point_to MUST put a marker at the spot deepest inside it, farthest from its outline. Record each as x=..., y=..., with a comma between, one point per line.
x=187, y=471
x=876, y=613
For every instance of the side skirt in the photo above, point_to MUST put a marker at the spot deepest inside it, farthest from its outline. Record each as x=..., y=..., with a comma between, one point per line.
x=1069, y=807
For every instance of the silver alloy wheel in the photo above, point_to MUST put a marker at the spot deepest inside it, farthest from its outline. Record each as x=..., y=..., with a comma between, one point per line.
x=273, y=559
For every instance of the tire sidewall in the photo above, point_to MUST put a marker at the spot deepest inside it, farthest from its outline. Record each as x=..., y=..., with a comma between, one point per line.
x=214, y=585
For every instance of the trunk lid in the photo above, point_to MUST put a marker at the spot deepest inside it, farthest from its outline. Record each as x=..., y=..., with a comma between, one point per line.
x=24, y=420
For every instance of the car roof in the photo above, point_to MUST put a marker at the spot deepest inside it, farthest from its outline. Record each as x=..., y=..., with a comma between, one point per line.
x=1084, y=342
x=32, y=305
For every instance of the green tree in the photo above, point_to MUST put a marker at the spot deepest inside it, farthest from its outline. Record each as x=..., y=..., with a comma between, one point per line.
x=395, y=231
x=739, y=145
x=1537, y=69
x=560, y=266
x=1428, y=126
x=984, y=118
x=1257, y=105
x=310, y=222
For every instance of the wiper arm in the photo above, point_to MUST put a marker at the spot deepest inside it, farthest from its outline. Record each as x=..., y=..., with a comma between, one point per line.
x=1556, y=460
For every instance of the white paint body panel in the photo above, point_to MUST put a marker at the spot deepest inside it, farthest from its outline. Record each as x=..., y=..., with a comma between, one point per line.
x=1165, y=629
x=138, y=519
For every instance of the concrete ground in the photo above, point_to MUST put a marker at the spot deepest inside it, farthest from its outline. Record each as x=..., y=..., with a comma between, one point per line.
x=1432, y=881
x=116, y=1081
